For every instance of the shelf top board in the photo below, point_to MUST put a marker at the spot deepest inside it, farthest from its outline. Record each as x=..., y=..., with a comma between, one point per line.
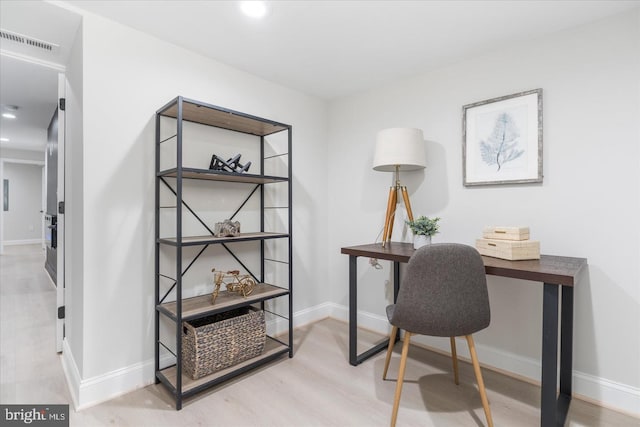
x=211, y=115
x=201, y=305
x=211, y=175
x=205, y=240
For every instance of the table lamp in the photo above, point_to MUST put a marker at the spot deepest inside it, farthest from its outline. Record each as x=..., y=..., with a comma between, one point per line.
x=398, y=149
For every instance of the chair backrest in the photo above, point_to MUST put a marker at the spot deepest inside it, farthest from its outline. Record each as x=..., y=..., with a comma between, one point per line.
x=444, y=292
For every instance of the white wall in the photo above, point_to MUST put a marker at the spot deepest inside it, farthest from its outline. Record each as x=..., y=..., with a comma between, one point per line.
x=588, y=205
x=126, y=77
x=74, y=212
x=22, y=223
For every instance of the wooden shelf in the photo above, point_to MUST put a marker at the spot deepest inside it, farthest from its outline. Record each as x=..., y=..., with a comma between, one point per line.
x=201, y=306
x=206, y=240
x=272, y=349
x=211, y=175
x=211, y=115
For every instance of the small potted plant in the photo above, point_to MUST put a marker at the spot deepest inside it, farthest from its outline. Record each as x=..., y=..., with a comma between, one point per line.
x=423, y=228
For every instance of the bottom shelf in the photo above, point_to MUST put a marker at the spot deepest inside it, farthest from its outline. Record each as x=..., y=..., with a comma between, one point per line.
x=272, y=349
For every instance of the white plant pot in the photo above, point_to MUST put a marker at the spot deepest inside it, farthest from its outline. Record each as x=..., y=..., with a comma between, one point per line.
x=420, y=240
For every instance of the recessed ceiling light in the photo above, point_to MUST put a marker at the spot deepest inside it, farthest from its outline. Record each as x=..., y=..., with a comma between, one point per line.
x=254, y=9
x=8, y=115
x=3, y=139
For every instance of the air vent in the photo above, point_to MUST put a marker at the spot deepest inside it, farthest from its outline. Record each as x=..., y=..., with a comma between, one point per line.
x=27, y=41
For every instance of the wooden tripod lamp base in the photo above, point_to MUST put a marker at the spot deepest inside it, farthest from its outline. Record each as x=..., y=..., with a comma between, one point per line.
x=392, y=203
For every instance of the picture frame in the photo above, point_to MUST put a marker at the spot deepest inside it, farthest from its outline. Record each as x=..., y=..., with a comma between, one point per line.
x=502, y=140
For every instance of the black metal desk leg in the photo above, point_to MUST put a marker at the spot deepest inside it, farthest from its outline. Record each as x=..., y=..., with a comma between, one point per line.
x=566, y=353
x=396, y=287
x=354, y=358
x=396, y=280
x=353, y=310
x=549, y=355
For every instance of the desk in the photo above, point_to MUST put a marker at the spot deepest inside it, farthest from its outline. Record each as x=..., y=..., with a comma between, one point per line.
x=558, y=274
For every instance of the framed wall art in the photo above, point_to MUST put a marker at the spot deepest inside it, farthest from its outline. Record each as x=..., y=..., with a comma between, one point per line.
x=502, y=140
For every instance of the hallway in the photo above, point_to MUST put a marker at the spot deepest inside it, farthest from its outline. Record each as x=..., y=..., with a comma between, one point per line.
x=30, y=368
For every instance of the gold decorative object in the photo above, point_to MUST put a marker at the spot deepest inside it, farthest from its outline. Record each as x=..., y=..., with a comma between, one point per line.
x=234, y=281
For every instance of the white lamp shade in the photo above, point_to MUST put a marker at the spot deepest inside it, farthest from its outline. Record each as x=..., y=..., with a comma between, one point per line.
x=401, y=147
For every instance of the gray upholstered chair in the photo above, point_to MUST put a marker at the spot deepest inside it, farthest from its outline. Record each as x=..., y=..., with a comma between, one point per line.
x=443, y=293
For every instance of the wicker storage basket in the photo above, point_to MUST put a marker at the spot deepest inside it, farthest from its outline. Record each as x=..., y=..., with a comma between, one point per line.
x=222, y=340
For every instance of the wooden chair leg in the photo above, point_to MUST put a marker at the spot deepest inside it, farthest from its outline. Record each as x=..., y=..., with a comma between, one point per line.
x=454, y=358
x=403, y=365
x=392, y=341
x=476, y=368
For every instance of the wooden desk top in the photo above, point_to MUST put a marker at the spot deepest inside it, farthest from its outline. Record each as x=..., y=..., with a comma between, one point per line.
x=558, y=270
x=394, y=251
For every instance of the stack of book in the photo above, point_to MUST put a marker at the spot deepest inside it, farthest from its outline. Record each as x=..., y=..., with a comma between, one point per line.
x=510, y=243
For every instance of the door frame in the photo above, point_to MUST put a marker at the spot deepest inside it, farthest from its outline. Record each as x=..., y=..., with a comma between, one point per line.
x=60, y=289
x=43, y=207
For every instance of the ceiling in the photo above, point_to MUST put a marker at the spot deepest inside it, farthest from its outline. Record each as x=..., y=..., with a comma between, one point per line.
x=333, y=48
x=29, y=75
x=327, y=49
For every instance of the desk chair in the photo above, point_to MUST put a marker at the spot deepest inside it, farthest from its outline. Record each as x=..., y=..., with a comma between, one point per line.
x=443, y=293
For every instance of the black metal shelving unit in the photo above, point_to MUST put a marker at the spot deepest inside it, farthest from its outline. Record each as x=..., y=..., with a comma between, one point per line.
x=169, y=303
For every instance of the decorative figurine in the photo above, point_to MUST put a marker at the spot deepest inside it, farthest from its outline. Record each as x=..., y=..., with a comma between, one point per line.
x=227, y=228
x=231, y=165
x=234, y=281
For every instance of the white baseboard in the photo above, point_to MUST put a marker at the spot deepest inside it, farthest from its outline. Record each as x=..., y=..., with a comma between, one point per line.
x=22, y=242
x=610, y=394
x=312, y=314
x=370, y=321
x=71, y=372
x=606, y=393
x=98, y=389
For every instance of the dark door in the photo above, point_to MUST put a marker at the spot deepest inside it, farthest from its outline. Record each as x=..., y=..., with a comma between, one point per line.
x=51, y=215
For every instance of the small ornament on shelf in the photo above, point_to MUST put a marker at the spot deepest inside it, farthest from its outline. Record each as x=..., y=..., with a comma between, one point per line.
x=234, y=282
x=231, y=165
x=227, y=228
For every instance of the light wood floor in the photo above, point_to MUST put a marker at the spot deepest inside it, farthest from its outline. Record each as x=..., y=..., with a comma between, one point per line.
x=316, y=388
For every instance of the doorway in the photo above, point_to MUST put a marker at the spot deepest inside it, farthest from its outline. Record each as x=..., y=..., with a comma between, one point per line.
x=21, y=217
x=31, y=91
x=34, y=60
